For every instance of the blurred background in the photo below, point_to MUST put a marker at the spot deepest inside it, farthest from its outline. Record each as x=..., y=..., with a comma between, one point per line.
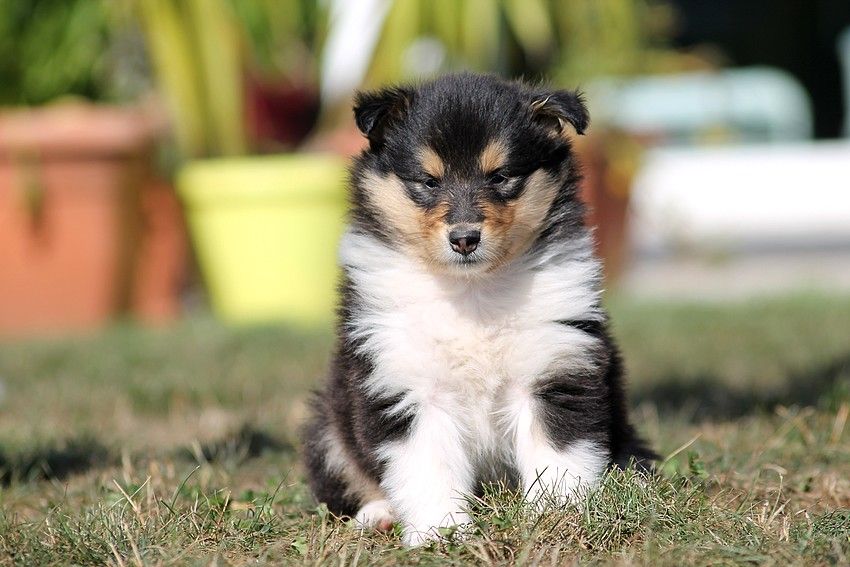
x=162, y=158
x=172, y=189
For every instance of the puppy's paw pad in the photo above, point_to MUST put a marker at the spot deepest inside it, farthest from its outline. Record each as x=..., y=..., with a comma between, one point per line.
x=377, y=515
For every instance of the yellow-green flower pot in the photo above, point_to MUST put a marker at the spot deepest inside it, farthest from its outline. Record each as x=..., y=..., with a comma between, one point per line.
x=265, y=231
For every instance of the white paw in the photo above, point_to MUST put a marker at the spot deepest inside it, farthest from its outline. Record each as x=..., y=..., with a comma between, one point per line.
x=376, y=514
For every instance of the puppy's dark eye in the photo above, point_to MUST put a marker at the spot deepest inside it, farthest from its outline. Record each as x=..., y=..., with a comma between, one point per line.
x=431, y=183
x=497, y=179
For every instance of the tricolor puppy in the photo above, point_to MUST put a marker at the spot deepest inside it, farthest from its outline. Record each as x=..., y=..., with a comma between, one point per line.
x=473, y=345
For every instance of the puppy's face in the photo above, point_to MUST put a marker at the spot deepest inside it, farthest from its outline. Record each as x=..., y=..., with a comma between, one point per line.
x=463, y=172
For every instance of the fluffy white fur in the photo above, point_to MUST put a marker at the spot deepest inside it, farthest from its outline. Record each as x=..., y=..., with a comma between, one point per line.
x=465, y=351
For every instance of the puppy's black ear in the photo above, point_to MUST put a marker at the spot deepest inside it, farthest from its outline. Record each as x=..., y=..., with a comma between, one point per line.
x=555, y=109
x=375, y=111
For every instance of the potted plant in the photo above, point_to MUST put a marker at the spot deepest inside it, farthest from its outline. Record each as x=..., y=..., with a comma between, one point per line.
x=72, y=172
x=279, y=42
x=264, y=228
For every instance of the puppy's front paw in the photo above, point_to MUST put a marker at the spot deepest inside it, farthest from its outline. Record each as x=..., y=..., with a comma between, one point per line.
x=377, y=514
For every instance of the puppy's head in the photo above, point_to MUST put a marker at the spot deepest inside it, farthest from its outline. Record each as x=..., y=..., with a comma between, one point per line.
x=465, y=172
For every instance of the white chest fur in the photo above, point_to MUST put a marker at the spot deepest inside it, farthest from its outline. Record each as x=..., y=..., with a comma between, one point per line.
x=467, y=345
x=463, y=354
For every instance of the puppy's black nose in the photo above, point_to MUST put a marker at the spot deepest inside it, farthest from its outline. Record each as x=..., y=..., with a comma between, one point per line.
x=464, y=241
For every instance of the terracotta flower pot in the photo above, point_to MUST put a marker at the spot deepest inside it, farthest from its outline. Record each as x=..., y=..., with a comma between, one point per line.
x=70, y=177
x=609, y=161
x=163, y=253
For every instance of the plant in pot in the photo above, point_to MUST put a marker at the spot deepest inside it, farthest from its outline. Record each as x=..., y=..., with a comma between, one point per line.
x=281, y=83
x=72, y=170
x=264, y=228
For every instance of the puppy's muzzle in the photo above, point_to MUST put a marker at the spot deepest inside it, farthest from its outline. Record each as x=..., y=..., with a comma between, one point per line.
x=464, y=241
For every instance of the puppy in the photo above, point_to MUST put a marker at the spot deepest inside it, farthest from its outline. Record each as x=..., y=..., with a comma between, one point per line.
x=472, y=343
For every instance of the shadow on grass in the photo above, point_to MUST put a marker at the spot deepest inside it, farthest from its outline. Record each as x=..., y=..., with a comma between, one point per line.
x=55, y=461
x=708, y=398
x=240, y=446
x=59, y=460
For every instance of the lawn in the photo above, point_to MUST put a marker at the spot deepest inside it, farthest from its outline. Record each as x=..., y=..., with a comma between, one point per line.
x=179, y=446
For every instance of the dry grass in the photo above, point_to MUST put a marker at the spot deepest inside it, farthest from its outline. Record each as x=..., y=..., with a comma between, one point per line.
x=178, y=447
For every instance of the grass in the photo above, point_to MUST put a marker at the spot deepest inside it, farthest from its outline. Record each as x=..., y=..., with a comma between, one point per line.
x=179, y=447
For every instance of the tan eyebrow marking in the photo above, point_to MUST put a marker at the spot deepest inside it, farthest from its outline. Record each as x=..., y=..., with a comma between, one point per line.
x=494, y=156
x=431, y=163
